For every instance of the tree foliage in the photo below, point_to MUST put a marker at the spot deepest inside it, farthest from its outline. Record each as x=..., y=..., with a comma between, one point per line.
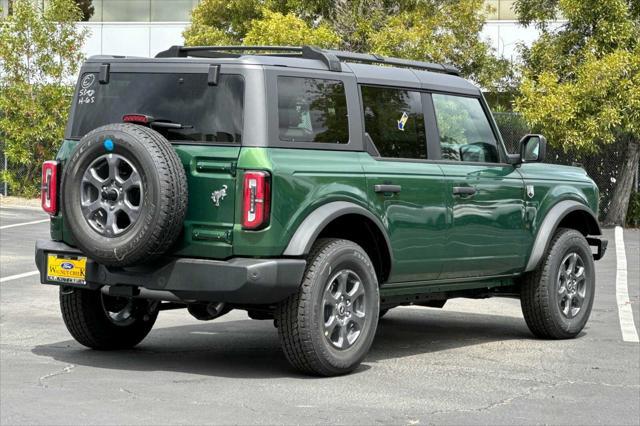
x=581, y=82
x=40, y=50
x=277, y=29
x=432, y=30
x=87, y=9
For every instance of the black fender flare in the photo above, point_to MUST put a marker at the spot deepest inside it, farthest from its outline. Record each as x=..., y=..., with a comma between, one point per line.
x=308, y=231
x=550, y=224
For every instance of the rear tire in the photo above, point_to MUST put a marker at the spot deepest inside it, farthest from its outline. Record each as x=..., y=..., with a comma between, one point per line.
x=105, y=322
x=327, y=327
x=557, y=297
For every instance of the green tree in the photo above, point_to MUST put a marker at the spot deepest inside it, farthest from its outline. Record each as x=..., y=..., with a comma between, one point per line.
x=86, y=6
x=279, y=29
x=40, y=51
x=581, y=82
x=431, y=30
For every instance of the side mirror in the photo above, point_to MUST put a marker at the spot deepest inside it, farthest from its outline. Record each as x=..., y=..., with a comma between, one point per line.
x=533, y=149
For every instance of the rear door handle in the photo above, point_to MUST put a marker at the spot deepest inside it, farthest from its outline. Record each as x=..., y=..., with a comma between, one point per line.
x=464, y=190
x=387, y=188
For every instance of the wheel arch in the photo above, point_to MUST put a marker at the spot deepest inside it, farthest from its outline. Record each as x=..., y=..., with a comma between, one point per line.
x=347, y=220
x=565, y=214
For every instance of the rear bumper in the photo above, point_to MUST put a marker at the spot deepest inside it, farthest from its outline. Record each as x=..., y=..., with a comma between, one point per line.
x=237, y=280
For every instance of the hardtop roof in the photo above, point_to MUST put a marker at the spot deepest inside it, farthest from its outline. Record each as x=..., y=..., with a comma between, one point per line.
x=380, y=73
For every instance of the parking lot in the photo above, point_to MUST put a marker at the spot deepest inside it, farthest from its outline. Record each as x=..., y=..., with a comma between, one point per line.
x=471, y=362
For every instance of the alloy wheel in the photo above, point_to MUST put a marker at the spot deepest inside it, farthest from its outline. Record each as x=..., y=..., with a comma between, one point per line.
x=571, y=285
x=344, y=309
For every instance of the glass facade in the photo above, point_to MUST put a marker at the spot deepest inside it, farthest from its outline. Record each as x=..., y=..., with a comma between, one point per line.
x=501, y=10
x=142, y=10
x=4, y=7
x=180, y=10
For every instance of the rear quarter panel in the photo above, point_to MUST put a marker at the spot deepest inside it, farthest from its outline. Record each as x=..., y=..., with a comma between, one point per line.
x=302, y=180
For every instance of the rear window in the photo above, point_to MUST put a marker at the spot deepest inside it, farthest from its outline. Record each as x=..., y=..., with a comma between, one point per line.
x=312, y=110
x=208, y=113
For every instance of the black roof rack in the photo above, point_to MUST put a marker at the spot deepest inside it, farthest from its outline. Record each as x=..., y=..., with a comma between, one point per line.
x=369, y=58
x=331, y=58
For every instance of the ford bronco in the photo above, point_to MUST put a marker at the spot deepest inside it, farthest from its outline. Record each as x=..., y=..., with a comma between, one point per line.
x=315, y=188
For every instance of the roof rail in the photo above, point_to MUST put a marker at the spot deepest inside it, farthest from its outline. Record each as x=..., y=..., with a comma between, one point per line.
x=369, y=58
x=310, y=52
x=331, y=58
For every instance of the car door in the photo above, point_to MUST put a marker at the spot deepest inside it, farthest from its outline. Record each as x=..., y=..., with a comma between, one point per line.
x=485, y=195
x=406, y=190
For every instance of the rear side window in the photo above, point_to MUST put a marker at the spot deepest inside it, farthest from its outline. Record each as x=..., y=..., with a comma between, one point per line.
x=465, y=133
x=207, y=113
x=312, y=110
x=394, y=120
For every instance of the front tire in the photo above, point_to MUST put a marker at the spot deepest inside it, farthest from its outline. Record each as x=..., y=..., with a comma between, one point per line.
x=327, y=327
x=106, y=322
x=557, y=297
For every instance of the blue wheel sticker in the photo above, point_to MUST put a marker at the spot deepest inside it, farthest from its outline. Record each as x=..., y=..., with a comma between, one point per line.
x=108, y=144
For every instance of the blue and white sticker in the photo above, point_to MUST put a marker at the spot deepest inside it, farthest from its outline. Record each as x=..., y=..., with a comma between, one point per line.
x=403, y=121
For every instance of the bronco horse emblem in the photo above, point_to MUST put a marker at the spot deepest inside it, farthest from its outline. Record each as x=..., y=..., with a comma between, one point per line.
x=217, y=196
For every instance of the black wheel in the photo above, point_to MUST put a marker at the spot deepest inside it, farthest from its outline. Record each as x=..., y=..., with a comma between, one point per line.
x=327, y=327
x=124, y=194
x=105, y=322
x=557, y=297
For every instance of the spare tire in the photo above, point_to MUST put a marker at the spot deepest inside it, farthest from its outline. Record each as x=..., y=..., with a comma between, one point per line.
x=124, y=194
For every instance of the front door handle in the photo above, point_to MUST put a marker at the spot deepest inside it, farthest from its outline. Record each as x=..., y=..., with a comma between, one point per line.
x=387, y=188
x=464, y=190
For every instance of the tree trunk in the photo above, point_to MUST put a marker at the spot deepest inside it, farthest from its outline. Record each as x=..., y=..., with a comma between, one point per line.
x=617, y=213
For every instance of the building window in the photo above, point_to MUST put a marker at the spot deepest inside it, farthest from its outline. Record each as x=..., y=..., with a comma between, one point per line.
x=172, y=10
x=4, y=6
x=126, y=10
x=142, y=10
x=501, y=10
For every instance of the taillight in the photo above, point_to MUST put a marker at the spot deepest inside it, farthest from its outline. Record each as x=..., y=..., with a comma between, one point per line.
x=256, y=200
x=50, y=187
x=137, y=118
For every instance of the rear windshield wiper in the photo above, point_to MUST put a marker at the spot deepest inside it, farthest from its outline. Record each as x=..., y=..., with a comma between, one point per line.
x=168, y=124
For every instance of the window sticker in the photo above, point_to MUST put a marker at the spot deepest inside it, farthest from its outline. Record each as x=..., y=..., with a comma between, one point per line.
x=86, y=95
x=403, y=121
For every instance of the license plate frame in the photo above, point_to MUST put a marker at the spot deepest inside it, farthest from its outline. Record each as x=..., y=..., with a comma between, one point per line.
x=67, y=269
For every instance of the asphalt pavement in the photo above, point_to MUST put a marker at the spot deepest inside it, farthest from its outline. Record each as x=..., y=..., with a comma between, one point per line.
x=471, y=362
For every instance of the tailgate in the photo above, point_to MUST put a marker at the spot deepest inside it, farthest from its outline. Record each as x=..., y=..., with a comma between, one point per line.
x=211, y=178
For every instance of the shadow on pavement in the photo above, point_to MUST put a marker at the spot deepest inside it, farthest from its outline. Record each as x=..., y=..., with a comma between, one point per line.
x=251, y=349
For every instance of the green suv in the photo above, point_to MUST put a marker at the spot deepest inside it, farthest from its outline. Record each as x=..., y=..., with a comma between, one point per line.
x=311, y=187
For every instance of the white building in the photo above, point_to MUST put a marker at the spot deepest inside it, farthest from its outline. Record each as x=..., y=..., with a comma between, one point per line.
x=145, y=27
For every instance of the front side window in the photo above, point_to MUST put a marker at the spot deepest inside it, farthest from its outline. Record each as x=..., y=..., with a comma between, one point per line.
x=312, y=110
x=393, y=119
x=465, y=132
x=207, y=113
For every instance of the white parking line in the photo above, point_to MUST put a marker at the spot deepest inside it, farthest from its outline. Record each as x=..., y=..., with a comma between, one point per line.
x=24, y=223
x=629, y=332
x=18, y=276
